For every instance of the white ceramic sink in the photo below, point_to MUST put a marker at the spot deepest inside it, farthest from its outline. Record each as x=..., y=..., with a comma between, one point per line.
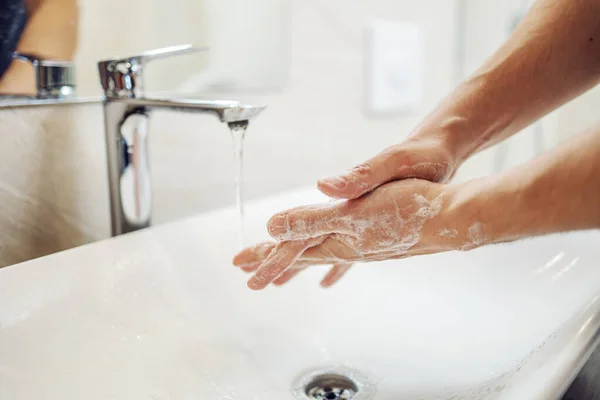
x=161, y=314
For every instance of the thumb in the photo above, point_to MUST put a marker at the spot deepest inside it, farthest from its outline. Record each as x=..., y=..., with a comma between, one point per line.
x=391, y=164
x=364, y=177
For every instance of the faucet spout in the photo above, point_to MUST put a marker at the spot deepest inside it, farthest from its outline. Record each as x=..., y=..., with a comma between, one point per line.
x=225, y=110
x=126, y=125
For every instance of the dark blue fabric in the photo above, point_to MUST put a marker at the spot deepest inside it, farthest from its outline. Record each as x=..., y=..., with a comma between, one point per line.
x=13, y=17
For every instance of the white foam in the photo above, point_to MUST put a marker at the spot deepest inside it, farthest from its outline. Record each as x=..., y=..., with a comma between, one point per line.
x=448, y=233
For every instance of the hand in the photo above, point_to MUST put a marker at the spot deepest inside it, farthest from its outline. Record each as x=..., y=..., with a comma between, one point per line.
x=397, y=220
x=424, y=156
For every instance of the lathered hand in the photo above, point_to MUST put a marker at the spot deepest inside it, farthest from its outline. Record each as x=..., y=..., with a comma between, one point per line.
x=396, y=220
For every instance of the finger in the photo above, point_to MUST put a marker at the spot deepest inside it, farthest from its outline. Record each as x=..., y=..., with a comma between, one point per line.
x=335, y=274
x=331, y=251
x=308, y=222
x=362, y=178
x=251, y=267
x=254, y=254
x=286, y=276
x=282, y=257
x=397, y=162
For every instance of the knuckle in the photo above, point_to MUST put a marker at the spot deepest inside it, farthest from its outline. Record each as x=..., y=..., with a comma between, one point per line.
x=400, y=157
x=310, y=221
x=395, y=161
x=362, y=170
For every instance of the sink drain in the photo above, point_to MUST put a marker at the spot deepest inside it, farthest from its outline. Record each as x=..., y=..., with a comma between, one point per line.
x=334, y=384
x=331, y=387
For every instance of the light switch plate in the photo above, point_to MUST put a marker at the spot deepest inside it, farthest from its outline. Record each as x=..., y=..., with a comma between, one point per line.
x=393, y=67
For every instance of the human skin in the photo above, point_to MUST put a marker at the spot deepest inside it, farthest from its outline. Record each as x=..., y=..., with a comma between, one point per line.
x=556, y=192
x=51, y=33
x=553, y=56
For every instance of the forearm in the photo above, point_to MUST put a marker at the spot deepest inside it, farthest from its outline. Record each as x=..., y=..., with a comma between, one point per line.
x=551, y=58
x=51, y=33
x=556, y=192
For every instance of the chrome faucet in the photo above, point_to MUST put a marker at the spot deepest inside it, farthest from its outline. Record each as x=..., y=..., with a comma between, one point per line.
x=127, y=111
x=53, y=79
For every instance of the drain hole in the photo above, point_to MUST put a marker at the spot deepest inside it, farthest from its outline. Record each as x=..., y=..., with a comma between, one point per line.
x=331, y=387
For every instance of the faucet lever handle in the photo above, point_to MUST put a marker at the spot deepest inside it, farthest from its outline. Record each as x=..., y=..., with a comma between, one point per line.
x=123, y=76
x=167, y=52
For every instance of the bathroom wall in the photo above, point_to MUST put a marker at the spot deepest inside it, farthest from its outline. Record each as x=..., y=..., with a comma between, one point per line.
x=112, y=28
x=53, y=187
x=488, y=24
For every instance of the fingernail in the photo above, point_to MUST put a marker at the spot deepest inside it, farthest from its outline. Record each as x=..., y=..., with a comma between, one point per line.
x=277, y=225
x=335, y=181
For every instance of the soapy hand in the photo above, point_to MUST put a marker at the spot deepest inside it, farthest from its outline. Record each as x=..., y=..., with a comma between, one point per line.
x=396, y=220
x=426, y=156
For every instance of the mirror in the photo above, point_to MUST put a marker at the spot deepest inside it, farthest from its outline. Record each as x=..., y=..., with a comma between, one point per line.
x=50, y=48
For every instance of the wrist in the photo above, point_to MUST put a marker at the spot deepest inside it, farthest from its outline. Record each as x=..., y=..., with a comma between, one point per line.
x=480, y=212
x=444, y=130
x=556, y=192
x=470, y=118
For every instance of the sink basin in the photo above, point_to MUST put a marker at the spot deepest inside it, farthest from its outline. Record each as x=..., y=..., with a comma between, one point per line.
x=161, y=314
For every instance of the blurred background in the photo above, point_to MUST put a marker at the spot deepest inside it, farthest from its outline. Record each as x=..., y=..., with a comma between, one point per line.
x=342, y=80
